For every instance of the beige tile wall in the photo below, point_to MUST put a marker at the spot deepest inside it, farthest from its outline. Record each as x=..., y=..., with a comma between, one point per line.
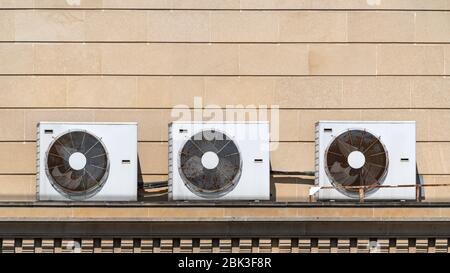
x=232, y=4
x=224, y=59
x=224, y=25
x=115, y=60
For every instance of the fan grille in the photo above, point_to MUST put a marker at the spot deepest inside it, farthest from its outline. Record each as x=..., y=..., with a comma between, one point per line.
x=204, y=180
x=373, y=167
x=77, y=183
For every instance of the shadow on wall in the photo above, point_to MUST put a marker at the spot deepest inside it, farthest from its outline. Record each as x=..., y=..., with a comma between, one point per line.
x=277, y=179
x=160, y=194
x=287, y=180
x=140, y=177
x=419, y=181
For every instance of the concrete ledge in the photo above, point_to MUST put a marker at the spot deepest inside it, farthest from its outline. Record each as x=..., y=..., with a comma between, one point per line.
x=223, y=214
x=230, y=204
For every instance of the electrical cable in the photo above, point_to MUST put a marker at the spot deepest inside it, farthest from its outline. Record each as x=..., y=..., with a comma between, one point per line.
x=310, y=173
x=153, y=185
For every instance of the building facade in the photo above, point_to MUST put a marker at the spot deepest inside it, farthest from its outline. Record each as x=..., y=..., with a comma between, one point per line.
x=136, y=60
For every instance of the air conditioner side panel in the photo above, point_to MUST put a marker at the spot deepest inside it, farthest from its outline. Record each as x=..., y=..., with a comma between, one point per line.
x=45, y=191
x=317, y=154
x=170, y=163
x=38, y=163
x=323, y=138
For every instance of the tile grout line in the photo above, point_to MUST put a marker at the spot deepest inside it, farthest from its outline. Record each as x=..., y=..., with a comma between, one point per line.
x=278, y=28
x=239, y=60
x=376, y=60
x=445, y=49
x=66, y=86
x=411, y=83
x=24, y=126
x=346, y=26
x=209, y=27
x=415, y=28
x=136, y=90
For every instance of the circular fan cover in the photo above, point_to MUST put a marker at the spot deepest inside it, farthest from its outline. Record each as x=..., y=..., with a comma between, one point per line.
x=356, y=158
x=77, y=164
x=210, y=164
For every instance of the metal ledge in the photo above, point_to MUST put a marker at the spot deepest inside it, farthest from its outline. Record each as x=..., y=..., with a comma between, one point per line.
x=224, y=219
x=234, y=204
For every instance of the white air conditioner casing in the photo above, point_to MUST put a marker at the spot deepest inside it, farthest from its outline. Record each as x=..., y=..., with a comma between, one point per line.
x=382, y=151
x=86, y=161
x=207, y=168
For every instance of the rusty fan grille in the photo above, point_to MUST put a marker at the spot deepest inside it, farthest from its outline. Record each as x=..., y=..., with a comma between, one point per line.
x=371, y=174
x=210, y=182
x=77, y=184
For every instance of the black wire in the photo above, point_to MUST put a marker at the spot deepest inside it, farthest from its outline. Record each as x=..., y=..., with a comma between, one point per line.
x=293, y=173
x=153, y=185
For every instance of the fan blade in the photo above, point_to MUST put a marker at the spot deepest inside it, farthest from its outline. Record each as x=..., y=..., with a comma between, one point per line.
x=216, y=182
x=72, y=142
x=76, y=178
x=60, y=150
x=371, y=145
x=196, y=146
x=95, y=172
x=344, y=177
x=209, y=146
x=376, y=154
x=336, y=154
x=223, y=147
x=193, y=167
x=350, y=137
x=350, y=180
x=65, y=179
x=375, y=170
x=96, y=149
x=232, y=154
x=375, y=165
x=345, y=148
x=56, y=161
x=66, y=142
x=363, y=135
x=226, y=168
x=90, y=180
x=78, y=140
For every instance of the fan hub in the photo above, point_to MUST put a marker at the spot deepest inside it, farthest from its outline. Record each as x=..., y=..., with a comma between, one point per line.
x=77, y=161
x=356, y=160
x=210, y=160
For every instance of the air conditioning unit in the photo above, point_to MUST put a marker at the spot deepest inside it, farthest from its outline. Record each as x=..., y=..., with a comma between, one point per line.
x=87, y=161
x=379, y=155
x=219, y=161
